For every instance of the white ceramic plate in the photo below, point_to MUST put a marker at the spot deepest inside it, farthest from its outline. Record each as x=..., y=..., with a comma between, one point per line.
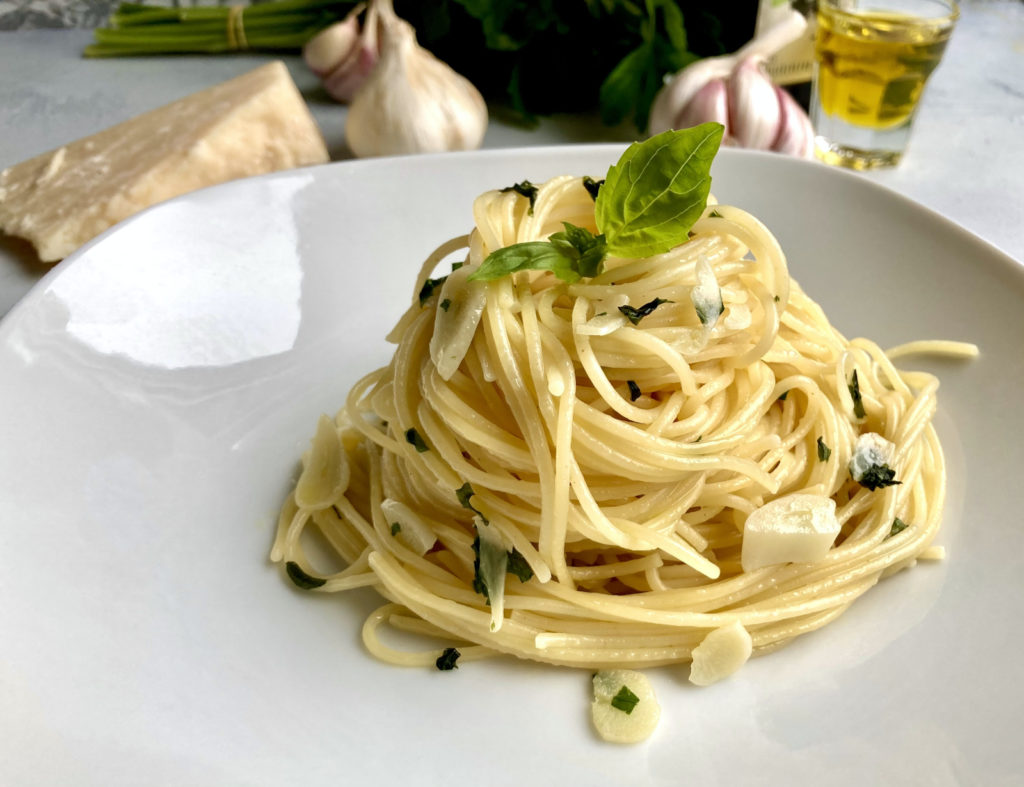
x=157, y=389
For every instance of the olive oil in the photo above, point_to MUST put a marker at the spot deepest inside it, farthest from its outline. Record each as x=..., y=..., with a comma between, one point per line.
x=872, y=60
x=873, y=66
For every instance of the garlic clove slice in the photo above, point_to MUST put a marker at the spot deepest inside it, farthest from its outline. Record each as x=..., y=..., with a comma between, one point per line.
x=709, y=104
x=325, y=472
x=460, y=306
x=796, y=134
x=753, y=105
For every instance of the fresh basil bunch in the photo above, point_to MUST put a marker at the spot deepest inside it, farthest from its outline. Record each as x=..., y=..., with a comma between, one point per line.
x=545, y=56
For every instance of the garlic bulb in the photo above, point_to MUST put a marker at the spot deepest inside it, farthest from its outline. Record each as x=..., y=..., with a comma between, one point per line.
x=325, y=51
x=735, y=90
x=412, y=102
x=342, y=57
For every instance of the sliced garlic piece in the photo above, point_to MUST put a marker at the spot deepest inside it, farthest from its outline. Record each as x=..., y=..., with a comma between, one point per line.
x=706, y=295
x=412, y=531
x=325, y=472
x=602, y=324
x=738, y=317
x=607, y=317
x=720, y=654
x=871, y=450
x=797, y=528
x=625, y=709
x=460, y=305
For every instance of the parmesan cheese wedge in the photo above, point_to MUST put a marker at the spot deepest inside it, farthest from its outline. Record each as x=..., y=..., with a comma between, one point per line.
x=255, y=123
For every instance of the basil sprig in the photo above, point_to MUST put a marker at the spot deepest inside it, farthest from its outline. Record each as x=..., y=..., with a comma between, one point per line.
x=647, y=204
x=656, y=192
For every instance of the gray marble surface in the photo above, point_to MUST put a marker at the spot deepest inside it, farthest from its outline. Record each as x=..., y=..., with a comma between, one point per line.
x=966, y=158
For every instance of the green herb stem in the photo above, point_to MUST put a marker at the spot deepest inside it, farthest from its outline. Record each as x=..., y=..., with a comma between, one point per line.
x=138, y=29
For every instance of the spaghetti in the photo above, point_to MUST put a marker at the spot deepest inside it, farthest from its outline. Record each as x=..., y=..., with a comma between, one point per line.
x=611, y=463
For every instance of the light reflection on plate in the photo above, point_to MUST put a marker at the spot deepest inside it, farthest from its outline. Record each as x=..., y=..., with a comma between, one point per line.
x=158, y=388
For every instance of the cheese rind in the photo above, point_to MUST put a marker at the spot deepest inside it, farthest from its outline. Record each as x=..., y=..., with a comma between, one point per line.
x=250, y=125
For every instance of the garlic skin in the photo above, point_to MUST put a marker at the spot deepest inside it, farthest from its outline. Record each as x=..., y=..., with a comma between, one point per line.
x=681, y=88
x=328, y=49
x=412, y=102
x=753, y=106
x=736, y=91
x=351, y=74
x=796, y=134
x=710, y=103
x=343, y=57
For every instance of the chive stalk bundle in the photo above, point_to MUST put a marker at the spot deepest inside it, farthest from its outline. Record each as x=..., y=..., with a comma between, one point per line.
x=139, y=29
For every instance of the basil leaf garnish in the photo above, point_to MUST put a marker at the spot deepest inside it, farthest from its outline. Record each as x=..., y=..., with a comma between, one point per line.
x=646, y=205
x=625, y=700
x=447, y=660
x=518, y=566
x=637, y=314
x=592, y=186
x=580, y=244
x=531, y=256
x=524, y=189
x=413, y=438
x=657, y=190
x=301, y=578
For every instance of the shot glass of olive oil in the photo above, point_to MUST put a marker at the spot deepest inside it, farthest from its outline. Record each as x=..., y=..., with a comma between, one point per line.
x=872, y=60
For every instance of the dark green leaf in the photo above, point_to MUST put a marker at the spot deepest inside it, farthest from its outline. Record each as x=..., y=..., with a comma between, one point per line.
x=898, y=526
x=524, y=189
x=446, y=304
x=858, y=402
x=479, y=585
x=634, y=390
x=428, y=288
x=446, y=661
x=395, y=528
x=587, y=249
x=518, y=566
x=824, y=452
x=635, y=315
x=621, y=87
x=878, y=476
x=592, y=186
x=533, y=255
x=413, y=438
x=675, y=30
x=301, y=578
x=657, y=190
x=464, y=493
x=625, y=700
